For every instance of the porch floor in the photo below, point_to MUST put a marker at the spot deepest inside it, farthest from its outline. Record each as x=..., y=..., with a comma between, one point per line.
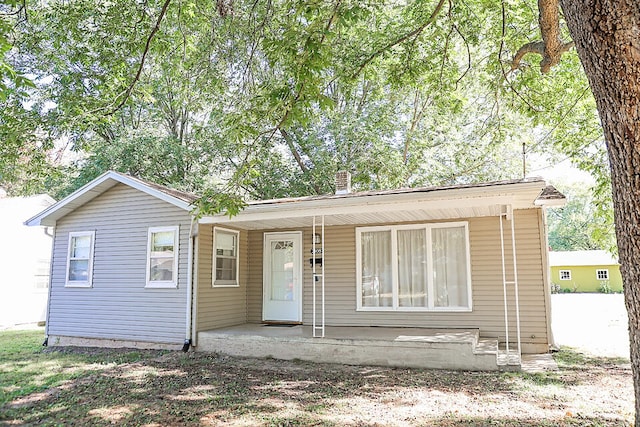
x=459, y=349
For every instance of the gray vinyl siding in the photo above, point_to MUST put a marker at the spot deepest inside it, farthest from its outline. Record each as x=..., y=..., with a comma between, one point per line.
x=486, y=276
x=221, y=306
x=118, y=306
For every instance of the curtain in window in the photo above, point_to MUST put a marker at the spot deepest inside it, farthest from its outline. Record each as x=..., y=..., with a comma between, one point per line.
x=450, y=267
x=412, y=268
x=377, y=285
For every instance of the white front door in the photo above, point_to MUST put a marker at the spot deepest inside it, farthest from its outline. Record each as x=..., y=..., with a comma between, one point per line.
x=282, y=280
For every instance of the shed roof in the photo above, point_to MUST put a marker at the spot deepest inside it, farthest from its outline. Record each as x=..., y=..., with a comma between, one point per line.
x=580, y=258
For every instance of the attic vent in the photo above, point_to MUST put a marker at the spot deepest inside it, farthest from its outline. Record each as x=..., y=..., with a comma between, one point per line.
x=343, y=182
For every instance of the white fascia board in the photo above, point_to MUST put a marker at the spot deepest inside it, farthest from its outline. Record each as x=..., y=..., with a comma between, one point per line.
x=89, y=191
x=551, y=203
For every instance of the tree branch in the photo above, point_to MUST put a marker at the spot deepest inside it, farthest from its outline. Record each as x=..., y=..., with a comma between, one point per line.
x=551, y=48
x=153, y=32
x=399, y=40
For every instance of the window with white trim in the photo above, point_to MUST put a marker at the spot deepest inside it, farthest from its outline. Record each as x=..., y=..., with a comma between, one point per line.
x=565, y=274
x=602, y=274
x=162, y=257
x=418, y=267
x=80, y=259
x=225, y=257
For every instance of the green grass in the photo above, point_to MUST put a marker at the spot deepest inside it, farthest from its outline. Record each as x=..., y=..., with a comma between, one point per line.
x=69, y=386
x=27, y=367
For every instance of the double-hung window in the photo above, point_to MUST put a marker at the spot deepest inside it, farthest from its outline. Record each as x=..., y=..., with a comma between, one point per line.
x=602, y=274
x=80, y=259
x=418, y=267
x=225, y=257
x=565, y=274
x=162, y=257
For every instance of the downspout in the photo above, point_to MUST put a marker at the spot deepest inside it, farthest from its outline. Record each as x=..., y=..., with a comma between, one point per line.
x=46, y=317
x=187, y=340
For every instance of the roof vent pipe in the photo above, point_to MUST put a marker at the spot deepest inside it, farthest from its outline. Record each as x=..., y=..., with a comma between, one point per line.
x=343, y=182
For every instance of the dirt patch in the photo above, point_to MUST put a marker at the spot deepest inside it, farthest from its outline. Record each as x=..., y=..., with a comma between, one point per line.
x=175, y=388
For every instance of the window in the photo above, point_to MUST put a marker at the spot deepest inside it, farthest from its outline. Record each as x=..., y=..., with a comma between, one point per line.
x=162, y=259
x=602, y=274
x=80, y=259
x=225, y=257
x=565, y=274
x=414, y=267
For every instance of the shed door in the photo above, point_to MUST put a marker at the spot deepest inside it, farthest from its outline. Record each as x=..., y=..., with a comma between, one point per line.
x=282, y=277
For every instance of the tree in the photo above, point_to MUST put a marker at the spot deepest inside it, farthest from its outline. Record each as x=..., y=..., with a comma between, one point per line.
x=606, y=39
x=274, y=79
x=581, y=223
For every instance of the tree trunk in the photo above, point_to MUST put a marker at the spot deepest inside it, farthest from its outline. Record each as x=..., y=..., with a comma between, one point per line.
x=607, y=37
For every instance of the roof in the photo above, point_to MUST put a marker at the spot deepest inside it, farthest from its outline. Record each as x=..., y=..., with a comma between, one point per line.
x=400, y=205
x=580, y=258
x=103, y=183
x=548, y=193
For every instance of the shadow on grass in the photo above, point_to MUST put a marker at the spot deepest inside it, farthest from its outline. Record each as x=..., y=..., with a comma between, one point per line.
x=154, y=388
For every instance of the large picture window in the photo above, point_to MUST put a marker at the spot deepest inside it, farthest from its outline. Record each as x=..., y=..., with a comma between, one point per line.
x=80, y=259
x=162, y=259
x=414, y=267
x=225, y=257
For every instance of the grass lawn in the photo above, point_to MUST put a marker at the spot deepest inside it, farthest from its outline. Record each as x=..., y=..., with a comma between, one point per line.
x=133, y=387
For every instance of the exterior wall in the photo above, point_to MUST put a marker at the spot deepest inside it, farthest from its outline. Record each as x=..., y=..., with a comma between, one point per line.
x=24, y=261
x=486, y=275
x=118, y=306
x=584, y=279
x=222, y=306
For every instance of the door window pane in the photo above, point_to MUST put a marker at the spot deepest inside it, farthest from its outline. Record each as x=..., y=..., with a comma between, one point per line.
x=282, y=271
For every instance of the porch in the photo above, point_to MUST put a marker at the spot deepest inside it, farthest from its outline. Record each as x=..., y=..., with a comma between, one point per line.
x=454, y=349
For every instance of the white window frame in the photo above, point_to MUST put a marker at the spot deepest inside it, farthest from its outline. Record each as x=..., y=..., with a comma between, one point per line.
x=564, y=271
x=176, y=241
x=225, y=283
x=80, y=283
x=394, y=266
x=602, y=270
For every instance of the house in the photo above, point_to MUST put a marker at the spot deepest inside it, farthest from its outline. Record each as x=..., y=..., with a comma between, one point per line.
x=413, y=277
x=585, y=271
x=24, y=260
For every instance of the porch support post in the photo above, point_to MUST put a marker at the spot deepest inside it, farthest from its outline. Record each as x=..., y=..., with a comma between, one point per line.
x=504, y=284
x=315, y=278
x=515, y=281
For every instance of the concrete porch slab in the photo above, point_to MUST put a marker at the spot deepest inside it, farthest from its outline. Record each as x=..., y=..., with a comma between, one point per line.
x=406, y=347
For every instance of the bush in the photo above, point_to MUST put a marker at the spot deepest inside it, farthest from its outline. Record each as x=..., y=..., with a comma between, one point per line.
x=555, y=288
x=605, y=287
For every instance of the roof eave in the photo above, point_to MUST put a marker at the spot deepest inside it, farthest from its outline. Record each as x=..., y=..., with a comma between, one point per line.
x=520, y=195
